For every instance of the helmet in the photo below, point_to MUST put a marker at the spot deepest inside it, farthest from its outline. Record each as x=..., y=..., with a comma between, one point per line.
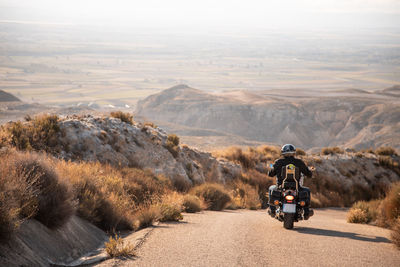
x=288, y=150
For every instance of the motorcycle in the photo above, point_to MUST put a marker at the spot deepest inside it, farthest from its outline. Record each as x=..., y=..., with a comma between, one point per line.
x=289, y=202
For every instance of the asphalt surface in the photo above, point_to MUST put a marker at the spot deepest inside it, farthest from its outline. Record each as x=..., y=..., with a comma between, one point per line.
x=252, y=238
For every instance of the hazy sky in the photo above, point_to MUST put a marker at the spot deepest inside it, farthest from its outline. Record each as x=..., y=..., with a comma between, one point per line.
x=307, y=14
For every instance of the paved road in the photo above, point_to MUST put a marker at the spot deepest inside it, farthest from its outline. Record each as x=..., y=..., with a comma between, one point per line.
x=252, y=238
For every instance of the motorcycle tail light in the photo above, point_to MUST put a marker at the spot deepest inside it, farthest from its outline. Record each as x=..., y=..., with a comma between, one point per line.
x=302, y=203
x=289, y=197
x=276, y=202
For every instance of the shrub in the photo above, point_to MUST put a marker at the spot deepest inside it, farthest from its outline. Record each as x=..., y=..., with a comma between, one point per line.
x=171, y=207
x=54, y=198
x=172, y=144
x=193, y=204
x=116, y=247
x=101, y=191
x=357, y=216
x=215, y=195
x=17, y=201
x=125, y=117
x=391, y=204
x=386, y=151
x=38, y=134
x=149, y=124
x=246, y=196
x=332, y=150
x=370, y=208
x=300, y=152
x=181, y=184
x=146, y=215
x=395, y=235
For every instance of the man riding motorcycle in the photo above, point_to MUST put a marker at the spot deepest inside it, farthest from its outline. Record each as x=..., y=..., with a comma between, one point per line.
x=288, y=151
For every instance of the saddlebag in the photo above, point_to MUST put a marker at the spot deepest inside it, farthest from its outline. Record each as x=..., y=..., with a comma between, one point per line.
x=275, y=195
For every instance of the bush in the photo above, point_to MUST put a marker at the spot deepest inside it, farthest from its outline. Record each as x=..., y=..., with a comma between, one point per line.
x=171, y=207
x=386, y=151
x=215, y=195
x=172, y=144
x=146, y=215
x=357, y=216
x=116, y=247
x=17, y=201
x=245, y=196
x=125, y=117
x=370, y=208
x=332, y=150
x=192, y=204
x=54, y=199
x=395, y=235
x=300, y=152
x=391, y=204
x=37, y=134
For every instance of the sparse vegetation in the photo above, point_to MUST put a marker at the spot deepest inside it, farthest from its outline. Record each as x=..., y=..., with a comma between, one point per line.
x=171, y=207
x=364, y=212
x=215, y=195
x=386, y=151
x=395, y=235
x=192, y=204
x=357, y=216
x=385, y=212
x=172, y=144
x=38, y=134
x=123, y=116
x=300, y=152
x=116, y=247
x=332, y=150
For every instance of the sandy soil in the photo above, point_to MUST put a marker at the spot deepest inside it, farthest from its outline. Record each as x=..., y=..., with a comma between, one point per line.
x=252, y=238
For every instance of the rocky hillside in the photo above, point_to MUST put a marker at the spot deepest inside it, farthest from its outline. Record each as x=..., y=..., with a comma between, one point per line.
x=109, y=140
x=7, y=97
x=350, y=119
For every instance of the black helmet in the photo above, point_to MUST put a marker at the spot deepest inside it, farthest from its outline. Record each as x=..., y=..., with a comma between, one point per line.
x=288, y=150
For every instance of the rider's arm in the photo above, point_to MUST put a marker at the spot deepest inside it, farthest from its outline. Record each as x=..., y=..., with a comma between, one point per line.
x=275, y=167
x=304, y=169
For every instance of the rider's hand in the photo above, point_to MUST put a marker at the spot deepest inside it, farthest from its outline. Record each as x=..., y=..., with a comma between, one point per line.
x=312, y=168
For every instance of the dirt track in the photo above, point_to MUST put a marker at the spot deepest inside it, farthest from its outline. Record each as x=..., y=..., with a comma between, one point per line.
x=252, y=238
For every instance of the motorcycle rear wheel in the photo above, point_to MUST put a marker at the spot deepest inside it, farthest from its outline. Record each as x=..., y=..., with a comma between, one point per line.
x=288, y=220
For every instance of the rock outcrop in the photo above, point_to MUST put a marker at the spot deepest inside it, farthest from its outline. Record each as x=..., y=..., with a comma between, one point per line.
x=109, y=140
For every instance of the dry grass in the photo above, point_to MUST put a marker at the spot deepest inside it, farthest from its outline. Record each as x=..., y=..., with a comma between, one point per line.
x=145, y=215
x=395, y=235
x=116, y=247
x=39, y=133
x=357, y=216
x=172, y=144
x=386, y=151
x=370, y=212
x=300, y=152
x=192, y=204
x=245, y=196
x=391, y=204
x=215, y=195
x=125, y=117
x=171, y=207
x=332, y=150
x=250, y=158
x=17, y=201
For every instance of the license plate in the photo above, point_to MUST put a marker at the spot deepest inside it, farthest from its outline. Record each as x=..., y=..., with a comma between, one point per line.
x=289, y=208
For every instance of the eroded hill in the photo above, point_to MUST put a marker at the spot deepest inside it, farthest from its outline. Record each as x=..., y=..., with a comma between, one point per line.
x=348, y=118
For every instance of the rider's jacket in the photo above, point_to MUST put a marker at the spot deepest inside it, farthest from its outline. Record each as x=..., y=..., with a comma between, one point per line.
x=277, y=167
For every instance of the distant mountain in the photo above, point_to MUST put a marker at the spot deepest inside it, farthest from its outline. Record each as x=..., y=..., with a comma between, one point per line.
x=351, y=119
x=7, y=97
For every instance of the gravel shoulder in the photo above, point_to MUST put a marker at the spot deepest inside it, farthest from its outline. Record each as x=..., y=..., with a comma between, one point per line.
x=252, y=238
